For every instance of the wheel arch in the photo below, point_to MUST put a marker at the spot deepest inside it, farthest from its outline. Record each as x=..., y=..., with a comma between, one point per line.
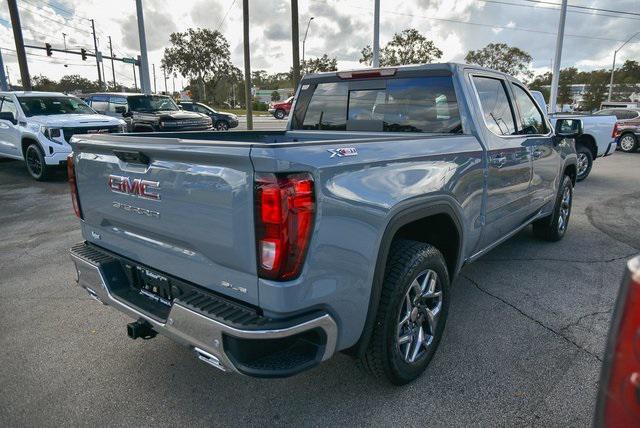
x=26, y=142
x=445, y=214
x=589, y=142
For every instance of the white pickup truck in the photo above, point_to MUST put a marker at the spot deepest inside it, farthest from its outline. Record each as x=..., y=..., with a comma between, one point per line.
x=597, y=139
x=36, y=127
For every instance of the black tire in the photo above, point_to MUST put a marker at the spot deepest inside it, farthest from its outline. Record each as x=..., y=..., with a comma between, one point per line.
x=585, y=162
x=279, y=114
x=628, y=143
x=36, y=166
x=222, y=125
x=384, y=358
x=550, y=228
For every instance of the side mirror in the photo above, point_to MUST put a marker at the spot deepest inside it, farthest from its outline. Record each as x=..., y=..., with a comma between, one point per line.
x=120, y=109
x=569, y=128
x=7, y=115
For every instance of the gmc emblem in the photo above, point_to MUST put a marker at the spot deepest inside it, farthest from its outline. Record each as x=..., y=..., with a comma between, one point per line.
x=137, y=187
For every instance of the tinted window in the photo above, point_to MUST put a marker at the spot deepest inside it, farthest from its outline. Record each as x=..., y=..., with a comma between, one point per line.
x=151, y=103
x=36, y=106
x=625, y=114
x=604, y=113
x=99, y=103
x=532, y=119
x=495, y=105
x=117, y=105
x=9, y=106
x=422, y=104
x=201, y=109
x=187, y=106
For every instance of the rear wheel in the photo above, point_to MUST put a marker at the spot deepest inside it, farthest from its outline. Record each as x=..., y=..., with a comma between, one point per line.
x=585, y=162
x=628, y=143
x=222, y=125
x=411, y=315
x=279, y=114
x=36, y=165
x=553, y=227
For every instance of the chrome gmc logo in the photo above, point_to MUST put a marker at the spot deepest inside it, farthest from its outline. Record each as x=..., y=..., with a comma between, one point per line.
x=137, y=187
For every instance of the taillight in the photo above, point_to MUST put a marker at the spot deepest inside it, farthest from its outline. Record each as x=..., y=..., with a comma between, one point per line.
x=615, y=132
x=71, y=174
x=285, y=207
x=376, y=72
x=619, y=401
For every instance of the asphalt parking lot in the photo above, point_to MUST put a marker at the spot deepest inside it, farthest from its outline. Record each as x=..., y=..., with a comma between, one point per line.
x=523, y=344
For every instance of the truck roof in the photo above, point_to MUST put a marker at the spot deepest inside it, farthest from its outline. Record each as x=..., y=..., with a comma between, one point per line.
x=35, y=94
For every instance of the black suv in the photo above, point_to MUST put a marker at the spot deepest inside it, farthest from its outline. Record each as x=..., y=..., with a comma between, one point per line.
x=221, y=121
x=148, y=113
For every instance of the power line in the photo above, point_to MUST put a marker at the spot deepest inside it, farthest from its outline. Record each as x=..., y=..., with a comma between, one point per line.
x=478, y=24
x=225, y=16
x=49, y=19
x=530, y=6
x=584, y=7
x=71, y=13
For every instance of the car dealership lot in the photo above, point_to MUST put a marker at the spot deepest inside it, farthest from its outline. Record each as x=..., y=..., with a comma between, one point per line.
x=523, y=344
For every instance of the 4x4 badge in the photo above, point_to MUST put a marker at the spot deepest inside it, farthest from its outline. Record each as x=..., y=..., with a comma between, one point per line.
x=343, y=151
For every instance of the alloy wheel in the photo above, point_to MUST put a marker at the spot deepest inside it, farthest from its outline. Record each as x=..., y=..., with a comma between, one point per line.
x=583, y=163
x=33, y=162
x=222, y=126
x=565, y=209
x=627, y=142
x=418, y=317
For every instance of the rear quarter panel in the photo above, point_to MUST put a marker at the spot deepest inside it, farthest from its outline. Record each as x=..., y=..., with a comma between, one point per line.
x=356, y=199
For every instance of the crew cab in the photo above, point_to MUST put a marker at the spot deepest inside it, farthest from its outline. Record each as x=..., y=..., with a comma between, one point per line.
x=36, y=127
x=597, y=138
x=221, y=121
x=627, y=129
x=268, y=252
x=148, y=113
x=280, y=110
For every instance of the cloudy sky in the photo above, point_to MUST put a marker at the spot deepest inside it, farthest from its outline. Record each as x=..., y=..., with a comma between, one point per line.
x=340, y=28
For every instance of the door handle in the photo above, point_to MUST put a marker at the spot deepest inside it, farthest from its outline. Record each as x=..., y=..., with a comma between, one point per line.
x=499, y=160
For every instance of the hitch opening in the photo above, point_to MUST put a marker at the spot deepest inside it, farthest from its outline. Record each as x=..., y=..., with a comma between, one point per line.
x=140, y=329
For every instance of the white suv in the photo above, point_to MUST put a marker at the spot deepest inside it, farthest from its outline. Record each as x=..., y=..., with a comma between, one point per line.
x=36, y=127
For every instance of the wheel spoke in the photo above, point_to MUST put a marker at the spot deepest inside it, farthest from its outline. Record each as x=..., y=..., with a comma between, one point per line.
x=417, y=345
x=405, y=339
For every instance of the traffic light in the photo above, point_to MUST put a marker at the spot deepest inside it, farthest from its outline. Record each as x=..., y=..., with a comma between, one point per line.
x=48, y=47
x=83, y=53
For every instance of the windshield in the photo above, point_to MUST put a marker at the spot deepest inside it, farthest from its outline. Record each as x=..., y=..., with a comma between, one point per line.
x=152, y=103
x=46, y=106
x=417, y=104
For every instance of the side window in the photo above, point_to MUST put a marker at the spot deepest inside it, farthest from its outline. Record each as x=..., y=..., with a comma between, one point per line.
x=532, y=119
x=9, y=106
x=100, y=103
x=625, y=114
x=327, y=109
x=187, y=106
x=117, y=105
x=202, y=110
x=496, y=109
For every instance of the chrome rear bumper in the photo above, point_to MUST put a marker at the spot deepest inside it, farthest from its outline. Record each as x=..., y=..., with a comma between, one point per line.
x=195, y=330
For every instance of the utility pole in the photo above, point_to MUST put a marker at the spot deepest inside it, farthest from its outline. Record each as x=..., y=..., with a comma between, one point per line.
x=64, y=38
x=304, y=40
x=4, y=86
x=155, y=91
x=113, y=68
x=174, y=83
x=247, y=64
x=135, y=83
x=164, y=73
x=144, y=62
x=17, y=36
x=375, y=62
x=295, y=43
x=613, y=67
x=555, y=77
x=8, y=77
x=95, y=45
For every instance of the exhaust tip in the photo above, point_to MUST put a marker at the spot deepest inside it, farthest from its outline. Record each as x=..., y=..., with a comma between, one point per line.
x=140, y=329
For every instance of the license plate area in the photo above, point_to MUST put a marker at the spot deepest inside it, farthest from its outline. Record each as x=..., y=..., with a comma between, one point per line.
x=154, y=286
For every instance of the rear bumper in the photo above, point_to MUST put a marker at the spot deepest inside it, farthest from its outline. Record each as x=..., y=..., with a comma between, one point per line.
x=266, y=348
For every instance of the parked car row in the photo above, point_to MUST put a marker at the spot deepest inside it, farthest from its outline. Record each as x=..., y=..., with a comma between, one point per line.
x=37, y=126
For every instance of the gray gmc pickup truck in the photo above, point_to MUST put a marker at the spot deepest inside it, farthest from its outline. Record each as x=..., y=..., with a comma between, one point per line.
x=268, y=252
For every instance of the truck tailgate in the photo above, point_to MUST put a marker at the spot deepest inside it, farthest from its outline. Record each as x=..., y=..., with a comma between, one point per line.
x=199, y=227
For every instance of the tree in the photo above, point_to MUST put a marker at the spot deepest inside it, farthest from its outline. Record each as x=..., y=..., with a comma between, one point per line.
x=75, y=82
x=596, y=90
x=200, y=54
x=407, y=47
x=502, y=57
x=319, y=65
x=43, y=83
x=567, y=78
x=275, y=96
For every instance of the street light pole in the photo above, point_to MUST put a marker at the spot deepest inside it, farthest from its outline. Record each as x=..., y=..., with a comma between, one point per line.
x=304, y=41
x=613, y=67
x=376, y=34
x=555, y=77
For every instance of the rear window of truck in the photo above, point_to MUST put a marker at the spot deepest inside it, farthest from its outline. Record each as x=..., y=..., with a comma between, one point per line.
x=415, y=104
